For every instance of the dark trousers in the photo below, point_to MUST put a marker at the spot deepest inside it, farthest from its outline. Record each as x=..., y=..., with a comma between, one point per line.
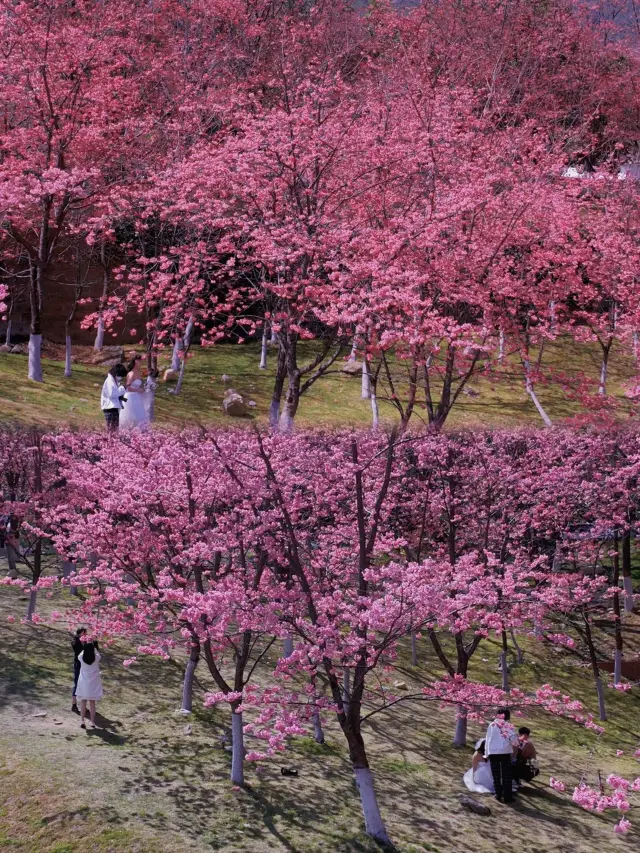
x=112, y=417
x=502, y=778
x=76, y=675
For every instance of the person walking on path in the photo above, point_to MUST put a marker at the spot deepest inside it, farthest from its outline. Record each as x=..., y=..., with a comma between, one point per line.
x=89, y=683
x=501, y=744
x=113, y=396
x=77, y=644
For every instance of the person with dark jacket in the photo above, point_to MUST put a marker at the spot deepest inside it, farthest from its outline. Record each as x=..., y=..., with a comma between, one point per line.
x=77, y=644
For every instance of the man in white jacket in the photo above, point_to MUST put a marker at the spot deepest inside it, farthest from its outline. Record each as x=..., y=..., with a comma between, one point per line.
x=500, y=746
x=111, y=399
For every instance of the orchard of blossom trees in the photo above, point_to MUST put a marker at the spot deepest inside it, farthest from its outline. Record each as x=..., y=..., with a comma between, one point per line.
x=439, y=185
x=296, y=568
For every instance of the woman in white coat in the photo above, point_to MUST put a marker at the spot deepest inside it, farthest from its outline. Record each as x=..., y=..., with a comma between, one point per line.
x=89, y=683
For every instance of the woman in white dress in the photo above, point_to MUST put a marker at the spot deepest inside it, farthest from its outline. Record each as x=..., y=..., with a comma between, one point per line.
x=135, y=414
x=478, y=777
x=89, y=687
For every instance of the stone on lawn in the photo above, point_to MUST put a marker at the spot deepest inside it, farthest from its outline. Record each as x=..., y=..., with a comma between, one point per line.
x=18, y=350
x=352, y=368
x=170, y=375
x=475, y=806
x=40, y=714
x=114, y=353
x=5, y=348
x=233, y=404
x=400, y=685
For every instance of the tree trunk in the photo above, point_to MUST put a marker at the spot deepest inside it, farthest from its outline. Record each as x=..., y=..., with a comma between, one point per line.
x=175, y=355
x=519, y=652
x=375, y=411
x=264, y=348
x=11, y=560
x=31, y=607
x=460, y=736
x=501, y=346
x=602, y=712
x=278, y=385
x=185, y=347
x=366, y=379
x=374, y=825
x=35, y=358
x=617, y=615
x=68, y=568
x=67, y=357
x=237, y=745
x=98, y=344
x=414, y=649
x=595, y=669
x=190, y=671
x=532, y=394
x=354, y=350
x=287, y=646
x=7, y=339
x=626, y=572
x=346, y=691
x=503, y=663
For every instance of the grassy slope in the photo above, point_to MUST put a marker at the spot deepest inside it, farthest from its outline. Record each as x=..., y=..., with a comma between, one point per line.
x=333, y=400
x=143, y=784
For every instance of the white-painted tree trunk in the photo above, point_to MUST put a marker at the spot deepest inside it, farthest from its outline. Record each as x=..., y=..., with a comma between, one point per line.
x=318, y=734
x=237, y=746
x=285, y=421
x=354, y=350
x=175, y=355
x=501, y=345
x=35, y=358
x=67, y=357
x=601, y=706
x=374, y=825
x=530, y=391
x=274, y=414
x=31, y=607
x=68, y=568
x=617, y=666
x=7, y=339
x=366, y=380
x=414, y=649
x=287, y=646
x=504, y=669
x=264, y=348
x=552, y=315
x=636, y=340
x=187, y=685
x=98, y=344
x=460, y=736
x=273, y=340
x=602, y=389
x=346, y=690
x=556, y=565
x=628, y=594
x=150, y=388
x=186, y=343
x=375, y=411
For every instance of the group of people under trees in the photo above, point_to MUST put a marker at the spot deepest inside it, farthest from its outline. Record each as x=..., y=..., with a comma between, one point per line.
x=503, y=760
x=127, y=404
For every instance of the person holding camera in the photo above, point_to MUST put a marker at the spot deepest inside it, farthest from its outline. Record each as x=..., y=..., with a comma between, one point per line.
x=113, y=397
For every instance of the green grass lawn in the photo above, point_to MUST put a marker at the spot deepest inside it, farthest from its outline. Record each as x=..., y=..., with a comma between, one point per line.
x=145, y=784
x=333, y=400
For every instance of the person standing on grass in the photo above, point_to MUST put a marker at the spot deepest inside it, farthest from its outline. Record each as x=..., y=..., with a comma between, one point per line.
x=77, y=644
x=501, y=745
x=89, y=683
x=113, y=397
